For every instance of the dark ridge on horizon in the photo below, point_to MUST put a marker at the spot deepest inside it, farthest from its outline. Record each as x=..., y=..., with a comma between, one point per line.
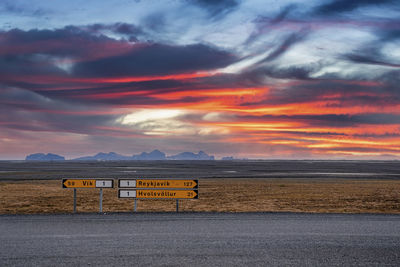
x=112, y=156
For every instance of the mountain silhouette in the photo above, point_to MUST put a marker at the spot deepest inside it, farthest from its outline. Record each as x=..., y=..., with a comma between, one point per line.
x=105, y=156
x=44, y=157
x=192, y=156
x=110, y=156
x=153, y=155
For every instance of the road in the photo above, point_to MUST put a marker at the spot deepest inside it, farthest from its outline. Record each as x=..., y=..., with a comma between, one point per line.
x=200, y=239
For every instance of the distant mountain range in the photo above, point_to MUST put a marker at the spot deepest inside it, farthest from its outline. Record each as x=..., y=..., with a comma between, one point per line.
x=153, y=155
x=44, y=157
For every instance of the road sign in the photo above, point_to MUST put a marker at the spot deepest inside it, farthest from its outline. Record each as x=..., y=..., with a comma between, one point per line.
x=158, y=193
x=87, y=183
x=127, y=183
x=153, y=183
x=104, y=183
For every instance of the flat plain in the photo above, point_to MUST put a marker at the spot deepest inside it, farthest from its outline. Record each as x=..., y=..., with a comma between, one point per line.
x=238, y=186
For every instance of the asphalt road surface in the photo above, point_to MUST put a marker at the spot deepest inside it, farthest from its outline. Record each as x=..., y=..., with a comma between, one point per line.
x=200, y=239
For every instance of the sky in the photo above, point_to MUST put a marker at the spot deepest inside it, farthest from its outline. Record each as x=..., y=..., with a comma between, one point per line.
x=249, y=79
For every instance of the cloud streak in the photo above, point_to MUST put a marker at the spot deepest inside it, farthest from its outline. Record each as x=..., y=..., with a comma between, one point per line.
x=247, y=79
x=339, y=6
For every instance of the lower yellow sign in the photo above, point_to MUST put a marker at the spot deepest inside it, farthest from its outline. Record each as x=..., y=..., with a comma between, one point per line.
x=171, y=194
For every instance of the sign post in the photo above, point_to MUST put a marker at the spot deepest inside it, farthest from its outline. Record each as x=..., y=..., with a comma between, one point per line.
x=158, y=189
x=88, y=183
x=74, y=200
x=101, y=201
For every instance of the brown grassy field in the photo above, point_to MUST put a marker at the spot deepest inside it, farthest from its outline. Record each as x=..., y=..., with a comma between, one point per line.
x=215, y=195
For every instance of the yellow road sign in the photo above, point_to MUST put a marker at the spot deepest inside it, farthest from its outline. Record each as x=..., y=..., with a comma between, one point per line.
x=157, y=183
x=87, y=183
x=160, y=193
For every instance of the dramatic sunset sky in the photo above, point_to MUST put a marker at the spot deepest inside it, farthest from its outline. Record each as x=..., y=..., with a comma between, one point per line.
x=257, y=79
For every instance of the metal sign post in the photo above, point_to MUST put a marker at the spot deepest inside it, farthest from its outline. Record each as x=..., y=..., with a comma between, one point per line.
x=177, y=205
x=88, y=183
x=101, y=201
x=74, y=200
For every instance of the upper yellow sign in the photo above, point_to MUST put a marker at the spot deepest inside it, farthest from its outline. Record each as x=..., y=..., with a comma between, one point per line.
x=145, y=183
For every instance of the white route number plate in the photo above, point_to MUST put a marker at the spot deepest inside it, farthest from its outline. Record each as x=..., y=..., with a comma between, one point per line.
x=104, y=184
